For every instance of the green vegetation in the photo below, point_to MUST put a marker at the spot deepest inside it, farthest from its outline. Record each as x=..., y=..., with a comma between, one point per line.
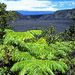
x=37, y=52
x=69, y=34
x=39, y=67
x=34, y=56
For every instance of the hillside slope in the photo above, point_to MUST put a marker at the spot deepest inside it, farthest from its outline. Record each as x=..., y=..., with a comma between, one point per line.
x=61, y=14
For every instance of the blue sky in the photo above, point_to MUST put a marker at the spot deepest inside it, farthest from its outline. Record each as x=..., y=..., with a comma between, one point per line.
x=39, y=5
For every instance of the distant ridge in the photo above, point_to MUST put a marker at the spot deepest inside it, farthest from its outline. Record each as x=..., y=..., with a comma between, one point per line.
x=61, y=14
x=60, y=19
x=35, y=12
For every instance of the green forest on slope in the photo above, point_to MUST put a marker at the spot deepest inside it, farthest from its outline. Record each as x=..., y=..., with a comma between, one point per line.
x=35, y=52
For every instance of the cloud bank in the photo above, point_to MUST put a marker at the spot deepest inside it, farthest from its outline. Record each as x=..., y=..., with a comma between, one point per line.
x=36, y=5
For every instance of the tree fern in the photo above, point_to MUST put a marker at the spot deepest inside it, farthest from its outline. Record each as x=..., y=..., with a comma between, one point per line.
x=63, y=46
x=44, y=51
x=20, y=36
x=39, y=67
x=37, y=57
x=41, y=41
x=20, y=56
x=38, y=50
x=17, y=37
x=36, y=32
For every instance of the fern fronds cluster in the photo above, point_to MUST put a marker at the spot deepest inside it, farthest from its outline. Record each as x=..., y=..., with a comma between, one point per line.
x=31, y=56
x=20, y=36
x=39, y=67
x=20, y=56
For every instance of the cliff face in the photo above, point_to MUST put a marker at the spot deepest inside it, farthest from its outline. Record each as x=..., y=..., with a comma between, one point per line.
x=61, y=14
x=60, y=19
x=64, y=14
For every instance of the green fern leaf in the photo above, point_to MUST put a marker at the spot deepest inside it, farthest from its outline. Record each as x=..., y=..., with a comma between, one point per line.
x=38, y=67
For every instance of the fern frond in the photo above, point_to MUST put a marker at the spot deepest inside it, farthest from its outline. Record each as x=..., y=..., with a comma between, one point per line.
x=39, y=67
x=43, y=51
x=37, y=50
x=35, y=32
x=20, y=56
x=17, y=37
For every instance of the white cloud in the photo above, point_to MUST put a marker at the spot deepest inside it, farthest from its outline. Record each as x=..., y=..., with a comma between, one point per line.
x=67, y=3
x=29, y=5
